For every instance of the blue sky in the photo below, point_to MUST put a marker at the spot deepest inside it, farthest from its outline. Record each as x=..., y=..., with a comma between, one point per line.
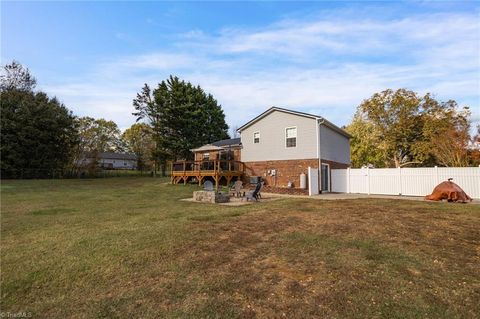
x=318, y=57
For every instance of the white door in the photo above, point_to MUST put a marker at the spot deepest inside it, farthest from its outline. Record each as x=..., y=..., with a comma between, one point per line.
x=312, y=181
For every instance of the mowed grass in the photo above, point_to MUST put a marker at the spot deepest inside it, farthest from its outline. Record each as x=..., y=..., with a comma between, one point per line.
x=128, y=248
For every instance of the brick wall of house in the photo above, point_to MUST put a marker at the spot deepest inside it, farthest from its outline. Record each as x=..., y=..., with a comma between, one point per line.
x=286, y=170
x=335, y=165
x=284, y=190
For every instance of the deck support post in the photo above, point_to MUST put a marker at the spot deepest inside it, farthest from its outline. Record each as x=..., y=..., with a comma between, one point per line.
x=229, y=179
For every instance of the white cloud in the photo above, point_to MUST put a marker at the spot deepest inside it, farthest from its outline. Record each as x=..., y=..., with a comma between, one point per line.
x=153, y=61
x=327, y=65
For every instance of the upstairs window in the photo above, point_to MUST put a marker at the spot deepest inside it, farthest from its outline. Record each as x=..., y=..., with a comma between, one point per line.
x=256, y=137
x=206, y=156
x=291, y=137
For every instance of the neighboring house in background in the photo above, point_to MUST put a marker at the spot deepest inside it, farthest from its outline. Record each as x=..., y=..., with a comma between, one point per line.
x=229, y=149
x=110, y=160
x=281, y=144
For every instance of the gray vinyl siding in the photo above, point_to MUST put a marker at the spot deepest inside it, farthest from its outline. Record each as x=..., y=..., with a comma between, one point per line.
x=272, y=138
x=334, y=146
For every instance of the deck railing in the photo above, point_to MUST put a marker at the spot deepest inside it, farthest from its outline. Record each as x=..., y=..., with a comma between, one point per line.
x=208, y=166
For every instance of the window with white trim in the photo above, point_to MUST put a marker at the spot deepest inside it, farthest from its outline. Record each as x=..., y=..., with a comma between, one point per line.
x=206, y=156
x=256, y=137
x=291, y=137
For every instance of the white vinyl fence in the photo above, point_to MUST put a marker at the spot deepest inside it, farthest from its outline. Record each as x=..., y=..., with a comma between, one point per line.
x=404, y=181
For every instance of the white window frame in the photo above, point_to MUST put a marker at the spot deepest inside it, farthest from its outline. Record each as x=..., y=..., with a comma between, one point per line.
x=206, y=155
x=258, y=137
x=296, y=136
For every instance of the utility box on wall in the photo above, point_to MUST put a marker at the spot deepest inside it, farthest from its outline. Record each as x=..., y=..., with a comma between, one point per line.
x=303, y=181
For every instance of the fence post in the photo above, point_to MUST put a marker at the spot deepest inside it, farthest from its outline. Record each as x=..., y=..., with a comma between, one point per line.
x=348, y=180
x=400, y=180
x=368, y=180
x=436, y=174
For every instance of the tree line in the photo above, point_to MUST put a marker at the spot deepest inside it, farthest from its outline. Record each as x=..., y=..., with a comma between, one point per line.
x=390, y=129
x=40, y=133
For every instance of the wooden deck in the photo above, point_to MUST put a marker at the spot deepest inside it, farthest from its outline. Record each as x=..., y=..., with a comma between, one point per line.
x=185, y=171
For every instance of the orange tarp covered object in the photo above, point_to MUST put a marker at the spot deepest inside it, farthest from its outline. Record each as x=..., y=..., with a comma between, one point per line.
x=449, y=191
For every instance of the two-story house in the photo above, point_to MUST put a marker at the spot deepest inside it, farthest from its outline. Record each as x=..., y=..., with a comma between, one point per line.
x=278, y=145
x=281, y=144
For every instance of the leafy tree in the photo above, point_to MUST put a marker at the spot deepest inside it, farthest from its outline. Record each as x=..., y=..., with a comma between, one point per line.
x=182, y=117
x=364, y=143
x=445, y=133
x=394, y=116
x=96, y=136
x=474, y=150
x=37, y=134
x=149, y=109
x=138, y=139
x=397, y=128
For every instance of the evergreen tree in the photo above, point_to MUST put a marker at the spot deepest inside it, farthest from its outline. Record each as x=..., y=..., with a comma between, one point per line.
x=182, y=117
x=37, y=132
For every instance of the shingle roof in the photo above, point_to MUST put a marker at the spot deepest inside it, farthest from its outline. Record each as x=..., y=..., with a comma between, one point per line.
x=227, y=142
x=206, y=148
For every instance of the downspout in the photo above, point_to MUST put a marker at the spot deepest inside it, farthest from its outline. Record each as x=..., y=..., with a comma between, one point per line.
x=320, y=121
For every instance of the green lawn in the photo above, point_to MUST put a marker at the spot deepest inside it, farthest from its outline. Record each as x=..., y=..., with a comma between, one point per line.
x=128, y=248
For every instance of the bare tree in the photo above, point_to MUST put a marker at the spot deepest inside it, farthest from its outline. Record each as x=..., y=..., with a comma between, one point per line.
x=233, y=132
x=16, y=76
